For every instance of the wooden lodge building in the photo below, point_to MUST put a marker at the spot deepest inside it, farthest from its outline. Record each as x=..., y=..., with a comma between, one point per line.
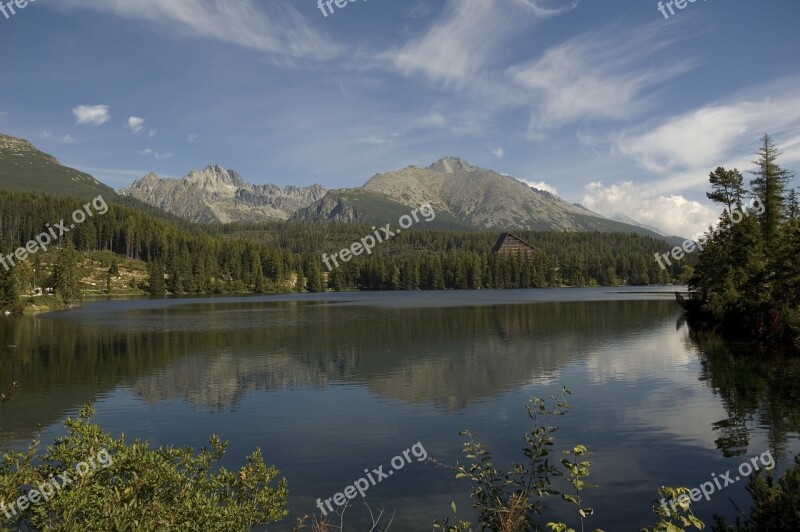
x=510, y=243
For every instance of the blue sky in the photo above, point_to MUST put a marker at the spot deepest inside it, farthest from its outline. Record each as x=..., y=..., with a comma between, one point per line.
x=618, y=108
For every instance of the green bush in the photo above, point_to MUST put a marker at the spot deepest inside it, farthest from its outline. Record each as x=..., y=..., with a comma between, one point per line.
x=512, y=501
x=138, y=487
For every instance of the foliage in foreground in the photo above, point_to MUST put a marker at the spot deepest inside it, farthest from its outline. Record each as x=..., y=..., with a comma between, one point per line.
x=776, y=504
x=142, y=488
x=176, y=489
x=512, y=501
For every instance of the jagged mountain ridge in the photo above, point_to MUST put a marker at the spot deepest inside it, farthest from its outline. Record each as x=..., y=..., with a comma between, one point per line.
x=464, y=196
x=217, y=195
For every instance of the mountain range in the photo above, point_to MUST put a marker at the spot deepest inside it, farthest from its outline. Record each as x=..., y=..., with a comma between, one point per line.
x=216, y=195
x=464, y=196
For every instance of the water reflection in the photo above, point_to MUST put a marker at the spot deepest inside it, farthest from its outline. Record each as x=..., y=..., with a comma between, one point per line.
x=214, y=354
x=757, y=389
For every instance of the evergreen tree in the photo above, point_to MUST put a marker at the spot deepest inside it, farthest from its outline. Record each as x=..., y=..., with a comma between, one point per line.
x=314, y=276
x=770, y=186
x=726, y=188
x=9, y=285
x=66, y=280
x=156, y=285
x=792, y=206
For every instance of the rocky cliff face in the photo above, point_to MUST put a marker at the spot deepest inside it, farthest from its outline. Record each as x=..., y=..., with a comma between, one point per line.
x=217, y=195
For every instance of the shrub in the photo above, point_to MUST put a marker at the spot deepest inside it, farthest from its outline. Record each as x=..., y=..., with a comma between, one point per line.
x=141, y=488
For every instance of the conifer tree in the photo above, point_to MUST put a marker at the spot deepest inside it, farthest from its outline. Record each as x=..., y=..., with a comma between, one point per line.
x=769, y=186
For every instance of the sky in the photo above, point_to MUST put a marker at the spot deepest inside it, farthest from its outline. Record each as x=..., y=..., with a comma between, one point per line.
x=624, y=109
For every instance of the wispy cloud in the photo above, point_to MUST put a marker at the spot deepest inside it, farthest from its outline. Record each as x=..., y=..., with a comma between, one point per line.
x=379, y=141
x=156, y=155
x=137, y=125
x=420, y=10
x=688, y=146
x=603, y=74
x=91, y=115
x=194, y=137
x=459, y=43
x=546, y=8
x=64, y=139
x=273, y=27
x=498, y=152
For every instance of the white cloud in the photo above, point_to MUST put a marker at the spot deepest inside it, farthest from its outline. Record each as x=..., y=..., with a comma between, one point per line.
x=498, y=152
x=135, y=124
x=192, y=138
x=464, y=40
x=91, y=115
x=546, y=9
x=596, y=75
x=461, y=41
x=67, y=139
x=687, y=147
x=157, y=155
x=673, y=214
x=453, y=50
x=273, y=27
x=541, y=185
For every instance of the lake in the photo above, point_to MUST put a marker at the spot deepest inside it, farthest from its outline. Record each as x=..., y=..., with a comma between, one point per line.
x=331, y=384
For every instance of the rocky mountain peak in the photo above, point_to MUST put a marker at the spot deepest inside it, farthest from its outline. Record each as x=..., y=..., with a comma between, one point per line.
x=214, y=177
x=214, y=195
x=451, y=165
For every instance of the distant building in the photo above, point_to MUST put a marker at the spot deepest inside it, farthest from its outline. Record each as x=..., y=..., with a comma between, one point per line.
x=510, y=243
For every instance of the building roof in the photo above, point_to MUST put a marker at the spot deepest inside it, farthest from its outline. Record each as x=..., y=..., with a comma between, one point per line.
x=509, y=242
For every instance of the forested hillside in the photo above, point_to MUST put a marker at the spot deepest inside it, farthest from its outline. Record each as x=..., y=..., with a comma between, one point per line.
x=188, y=258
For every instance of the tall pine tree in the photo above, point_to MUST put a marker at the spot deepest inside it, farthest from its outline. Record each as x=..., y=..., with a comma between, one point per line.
x=770, y=186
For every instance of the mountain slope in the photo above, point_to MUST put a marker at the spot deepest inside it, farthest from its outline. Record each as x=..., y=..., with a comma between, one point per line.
x=464, y=196
x=216, y=195
x=26, y=169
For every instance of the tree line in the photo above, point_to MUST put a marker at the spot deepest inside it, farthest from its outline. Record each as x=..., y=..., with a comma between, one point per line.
x=186, y=258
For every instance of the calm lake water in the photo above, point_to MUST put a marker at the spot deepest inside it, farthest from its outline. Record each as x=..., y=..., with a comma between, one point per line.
x=328, y=385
